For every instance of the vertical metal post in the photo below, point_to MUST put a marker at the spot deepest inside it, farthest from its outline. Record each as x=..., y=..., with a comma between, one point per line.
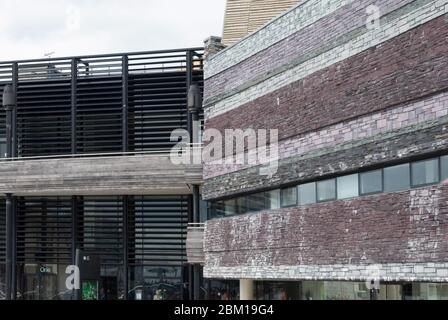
x=74, y=229
x=9, y=247
x=125, y=99
x=14, y=250
x=74, y=84
x=189, y=80
x=15, y=84
x=125, y=247
x=9, y=104
x=74, y=239
x=194, y=103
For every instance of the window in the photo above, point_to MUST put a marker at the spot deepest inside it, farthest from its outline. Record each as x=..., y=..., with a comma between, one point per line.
x=273, y=199
x=307, y=193
x=444, y=163
x=230, y=207
x=397, y=178
x=241, y=206
x=425, y=172
x=289, y=197
x=348, y=186
x=326, y=190
x=217, y=209
x=256, y=202
x=371, y=181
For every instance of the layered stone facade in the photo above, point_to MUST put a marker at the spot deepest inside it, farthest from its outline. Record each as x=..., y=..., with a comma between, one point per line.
x=345, y=97
x=336, y=240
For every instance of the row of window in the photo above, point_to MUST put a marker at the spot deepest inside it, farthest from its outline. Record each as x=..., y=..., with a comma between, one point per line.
x=388, y=179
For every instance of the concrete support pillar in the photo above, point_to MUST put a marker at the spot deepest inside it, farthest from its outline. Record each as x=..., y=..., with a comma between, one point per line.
x=247, y=289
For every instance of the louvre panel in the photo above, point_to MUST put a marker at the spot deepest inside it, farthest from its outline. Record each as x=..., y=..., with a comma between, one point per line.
x=100, y=228
x=51, y=99
x=158, y=230
x=99, y=114
x=157, y=100
x=44, y=230
x=2, y=231
x=43, y=117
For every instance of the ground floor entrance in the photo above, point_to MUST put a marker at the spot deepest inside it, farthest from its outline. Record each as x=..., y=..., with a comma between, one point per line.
x=329, y=290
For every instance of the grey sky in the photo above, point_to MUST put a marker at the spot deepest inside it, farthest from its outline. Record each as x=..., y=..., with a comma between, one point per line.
x=30, y=28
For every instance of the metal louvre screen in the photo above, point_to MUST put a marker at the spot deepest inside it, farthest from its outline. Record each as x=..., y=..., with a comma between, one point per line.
x=157, y=97
x=100, y=228
x=101, y=104
x=43, y=114
x=44, y=230
x=158, y=230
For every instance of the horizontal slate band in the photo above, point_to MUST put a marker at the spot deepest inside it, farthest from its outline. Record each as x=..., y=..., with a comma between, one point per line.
x=396, y=145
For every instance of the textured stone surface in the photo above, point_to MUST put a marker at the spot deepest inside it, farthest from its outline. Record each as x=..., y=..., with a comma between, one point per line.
x=305, y=14
x=140, y=174
x=332, y=30
x=430, y=272
x=404, y=228
x=375, y=37
x=382, y=149
x=430, y=108
x=402, y=69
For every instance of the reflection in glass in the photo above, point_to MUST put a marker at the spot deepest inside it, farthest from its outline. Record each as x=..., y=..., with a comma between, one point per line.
x=371, y=181
x=289, y=197
x=397, y=178
x=348, y=186
x=307, y=193
x=326, y=190
x=425, y=172
x=444, y=163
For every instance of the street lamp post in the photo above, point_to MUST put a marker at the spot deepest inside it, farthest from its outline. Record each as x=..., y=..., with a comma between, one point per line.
x=9, y=104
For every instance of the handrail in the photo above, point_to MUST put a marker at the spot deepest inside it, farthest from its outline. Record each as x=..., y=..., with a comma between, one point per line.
x=109, y=55
x=194, y=146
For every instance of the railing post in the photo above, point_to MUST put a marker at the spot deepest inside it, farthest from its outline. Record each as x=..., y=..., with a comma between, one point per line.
x=15, y=84
x=125, y=101
x=74, y=84
x=125, y=247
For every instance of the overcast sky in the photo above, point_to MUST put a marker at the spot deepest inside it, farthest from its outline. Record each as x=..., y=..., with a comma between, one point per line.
x=32, y=28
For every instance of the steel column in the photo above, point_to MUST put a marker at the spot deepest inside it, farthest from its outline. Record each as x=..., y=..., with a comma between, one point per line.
x=74, y=83
x=125, y=247
x=9, y=246
x=74, y=238
x=15, y=85
x=125, y=89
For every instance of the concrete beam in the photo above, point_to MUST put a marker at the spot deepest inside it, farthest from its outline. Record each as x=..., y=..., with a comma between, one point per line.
x=105, y=175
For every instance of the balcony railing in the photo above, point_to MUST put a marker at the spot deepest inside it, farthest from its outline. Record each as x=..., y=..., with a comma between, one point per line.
x=195, y=243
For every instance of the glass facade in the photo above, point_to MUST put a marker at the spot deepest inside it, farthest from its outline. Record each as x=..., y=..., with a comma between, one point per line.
x=348, y=290
x=397, y=178
x=289, y=197
x=326, y=190
x=347, y=186
x=444, y=164
x=307, y=193
x=425, y=172
x=371, y=181
x=387, y=179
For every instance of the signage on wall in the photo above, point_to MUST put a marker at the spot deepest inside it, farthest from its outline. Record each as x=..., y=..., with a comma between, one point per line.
x=45, y=269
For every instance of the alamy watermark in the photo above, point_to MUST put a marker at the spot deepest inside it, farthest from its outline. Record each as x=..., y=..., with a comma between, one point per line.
x=235, y=146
